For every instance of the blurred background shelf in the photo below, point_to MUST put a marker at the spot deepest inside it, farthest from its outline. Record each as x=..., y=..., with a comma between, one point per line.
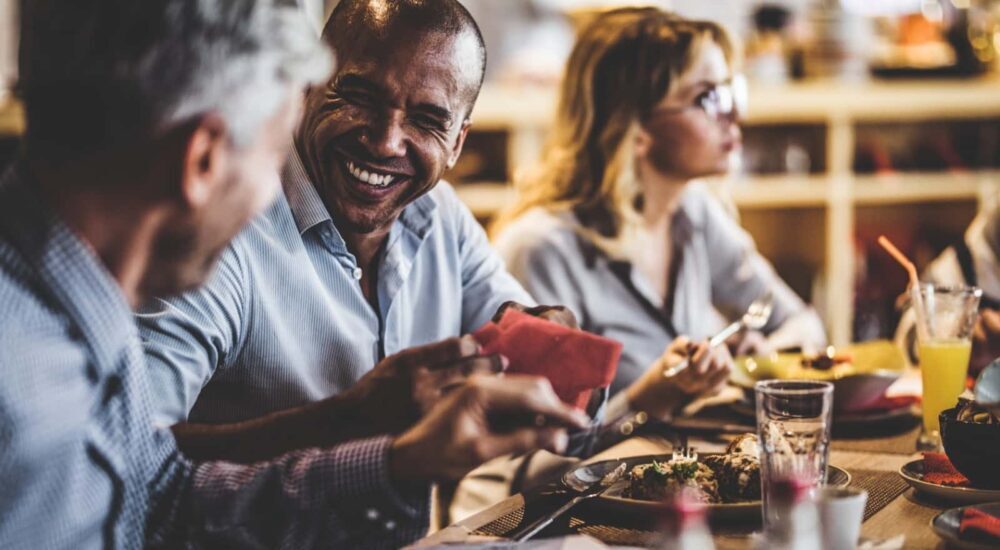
x=486, y=199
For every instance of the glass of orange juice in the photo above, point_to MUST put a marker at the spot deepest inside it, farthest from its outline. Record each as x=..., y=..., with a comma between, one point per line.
x=945, y=320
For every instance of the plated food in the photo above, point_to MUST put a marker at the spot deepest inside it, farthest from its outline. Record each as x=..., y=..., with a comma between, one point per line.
x=860, y=372
x=731, y=477
x=959, y=530
x=944, y=489
x=735, y=485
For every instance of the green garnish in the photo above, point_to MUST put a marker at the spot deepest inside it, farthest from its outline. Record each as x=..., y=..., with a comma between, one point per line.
x=685, y=470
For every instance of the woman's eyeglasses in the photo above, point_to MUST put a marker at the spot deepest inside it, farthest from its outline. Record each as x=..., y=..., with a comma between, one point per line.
x=725, y=100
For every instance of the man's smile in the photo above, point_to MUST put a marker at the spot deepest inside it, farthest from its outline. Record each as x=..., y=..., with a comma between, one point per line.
x=369, y=181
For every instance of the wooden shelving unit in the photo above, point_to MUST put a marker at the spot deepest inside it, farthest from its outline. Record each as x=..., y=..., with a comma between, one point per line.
x=839, y=108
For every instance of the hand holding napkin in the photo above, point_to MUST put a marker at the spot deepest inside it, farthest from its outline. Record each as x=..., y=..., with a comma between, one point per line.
x=575, y=362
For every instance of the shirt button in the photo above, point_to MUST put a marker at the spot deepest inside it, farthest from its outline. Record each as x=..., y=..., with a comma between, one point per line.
x=390, y=525
x=356, y=273
x=372, y=514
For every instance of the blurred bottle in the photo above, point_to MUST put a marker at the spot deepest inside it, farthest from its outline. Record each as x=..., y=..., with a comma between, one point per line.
x=840, y=44
x=794, y=518
x=684, y=526
x=767, y=51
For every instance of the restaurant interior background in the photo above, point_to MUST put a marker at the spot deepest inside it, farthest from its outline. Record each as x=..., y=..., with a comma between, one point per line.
x=865, y=117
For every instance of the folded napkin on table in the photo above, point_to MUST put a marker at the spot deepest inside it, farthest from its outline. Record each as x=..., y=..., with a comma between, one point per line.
x=574, y=361
x=979, y=524
x=887, y=403
x=939, y=470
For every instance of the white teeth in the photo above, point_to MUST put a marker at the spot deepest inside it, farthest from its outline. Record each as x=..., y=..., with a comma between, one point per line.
x=371, y=178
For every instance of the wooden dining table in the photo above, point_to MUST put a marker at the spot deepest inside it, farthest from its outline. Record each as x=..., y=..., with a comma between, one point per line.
x=873, y=464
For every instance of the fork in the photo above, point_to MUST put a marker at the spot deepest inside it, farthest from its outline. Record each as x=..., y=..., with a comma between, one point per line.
x=596, y=488
x=681, y=449
x=755, y=318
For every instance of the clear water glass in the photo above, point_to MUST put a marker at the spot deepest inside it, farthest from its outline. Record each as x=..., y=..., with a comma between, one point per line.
x=793, y=424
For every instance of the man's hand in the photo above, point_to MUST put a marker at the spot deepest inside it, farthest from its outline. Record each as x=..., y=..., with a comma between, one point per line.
x=486, y=418
x=556, y=314
x=659, y=396
x=404, y=386
x=985, y=340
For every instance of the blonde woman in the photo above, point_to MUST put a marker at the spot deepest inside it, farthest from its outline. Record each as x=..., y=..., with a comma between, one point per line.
x=613, y=224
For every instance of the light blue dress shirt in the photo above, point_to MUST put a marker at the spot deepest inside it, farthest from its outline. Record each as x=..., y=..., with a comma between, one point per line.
x=284, y=322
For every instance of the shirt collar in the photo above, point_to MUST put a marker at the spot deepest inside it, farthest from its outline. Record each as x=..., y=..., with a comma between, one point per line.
x=309, y=210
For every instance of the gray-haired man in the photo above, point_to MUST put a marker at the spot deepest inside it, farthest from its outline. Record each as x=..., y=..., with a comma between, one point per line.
x=156, y=129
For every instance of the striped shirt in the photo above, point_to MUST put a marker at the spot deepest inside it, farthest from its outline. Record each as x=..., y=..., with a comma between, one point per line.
x=284, y=321
x=81, y=464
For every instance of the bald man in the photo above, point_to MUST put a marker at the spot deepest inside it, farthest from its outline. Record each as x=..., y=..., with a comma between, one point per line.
x=366, y=253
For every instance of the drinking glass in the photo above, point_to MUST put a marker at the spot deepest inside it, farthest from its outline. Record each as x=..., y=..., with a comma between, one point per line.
x=945, y=320
x=793, y=424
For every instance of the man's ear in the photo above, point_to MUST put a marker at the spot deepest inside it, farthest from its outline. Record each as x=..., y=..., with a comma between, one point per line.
x=205, y=160
x=456, y=151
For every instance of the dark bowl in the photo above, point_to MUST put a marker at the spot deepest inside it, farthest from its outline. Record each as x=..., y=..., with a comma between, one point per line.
x=973, y=448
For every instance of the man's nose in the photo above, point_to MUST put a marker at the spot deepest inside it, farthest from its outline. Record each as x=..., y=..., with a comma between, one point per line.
x=385, y=137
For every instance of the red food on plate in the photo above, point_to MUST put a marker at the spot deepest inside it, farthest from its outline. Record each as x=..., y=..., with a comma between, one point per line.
x=940, y=471
x=978, y=522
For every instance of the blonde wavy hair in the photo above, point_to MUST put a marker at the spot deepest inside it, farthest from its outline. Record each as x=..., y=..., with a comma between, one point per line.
x=624, y=63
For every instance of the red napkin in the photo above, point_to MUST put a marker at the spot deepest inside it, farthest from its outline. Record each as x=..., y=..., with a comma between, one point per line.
x=939, y=470
x=979, y=523
x=886, y=403
x=574, y=361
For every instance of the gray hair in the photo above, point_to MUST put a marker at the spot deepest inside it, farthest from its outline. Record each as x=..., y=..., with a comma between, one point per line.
x=99, y=72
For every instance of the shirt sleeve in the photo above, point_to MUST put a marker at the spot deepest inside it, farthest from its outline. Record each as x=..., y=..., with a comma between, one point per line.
x=740, y=275
x=546, y=263
x=486, y=284
x=186, y=338
x=339, y=497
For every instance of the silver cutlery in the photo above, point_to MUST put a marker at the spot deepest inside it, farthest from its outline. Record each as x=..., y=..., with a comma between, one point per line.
x=586, y=484
x=755, y=318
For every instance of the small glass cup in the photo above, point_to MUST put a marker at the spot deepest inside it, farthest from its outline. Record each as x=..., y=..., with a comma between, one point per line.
x=946, y=317
x=793, y=424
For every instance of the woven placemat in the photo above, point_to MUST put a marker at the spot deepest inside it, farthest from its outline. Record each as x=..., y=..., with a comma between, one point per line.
x=883, y=488
x=903, y=444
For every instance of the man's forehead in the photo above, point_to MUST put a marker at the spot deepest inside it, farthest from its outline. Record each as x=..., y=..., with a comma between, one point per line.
x=426, y=64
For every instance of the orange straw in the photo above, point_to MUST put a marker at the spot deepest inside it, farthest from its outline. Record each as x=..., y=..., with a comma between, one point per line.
x=918, y=303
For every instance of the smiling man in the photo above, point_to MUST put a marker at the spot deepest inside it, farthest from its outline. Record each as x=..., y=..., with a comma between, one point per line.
x=365, y=254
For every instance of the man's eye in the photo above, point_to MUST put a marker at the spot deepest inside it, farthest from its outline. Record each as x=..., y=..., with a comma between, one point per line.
x=429, y=123
x=356, y=98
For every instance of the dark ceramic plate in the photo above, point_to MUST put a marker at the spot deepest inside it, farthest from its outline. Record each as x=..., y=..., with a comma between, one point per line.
x=913, y=473
x=613, y=502
x=946, y=526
